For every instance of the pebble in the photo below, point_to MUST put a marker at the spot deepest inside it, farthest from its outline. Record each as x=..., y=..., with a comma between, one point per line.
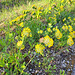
x=63, y=61
x=68, y=62
x=68, y=70
x=30, y=69
x=36, y=71
x=64, y=65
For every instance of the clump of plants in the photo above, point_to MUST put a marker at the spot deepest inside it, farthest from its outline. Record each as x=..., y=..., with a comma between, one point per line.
x=40, y=28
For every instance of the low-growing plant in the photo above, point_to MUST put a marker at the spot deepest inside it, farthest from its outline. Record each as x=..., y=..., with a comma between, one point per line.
x=40, y=28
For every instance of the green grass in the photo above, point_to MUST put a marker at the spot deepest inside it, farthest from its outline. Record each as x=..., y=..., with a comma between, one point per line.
x=7, y=15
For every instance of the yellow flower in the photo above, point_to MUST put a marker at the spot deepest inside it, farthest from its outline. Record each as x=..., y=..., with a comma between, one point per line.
x=40, y=31
x=62, y=1
x=61, y=8
x=54, y=29
x=30, y=35
x=50, y=25
x=25, y=32
x=49, y=8
x=59, y=13
x=39, y=48
x=72, y=34
x=22, y=47
x=49, y=30
x=11, y=22
x=24, y=15
x=64, y=19
x=40, y=8
x=25, y=11
x=58, y=34
x=65, y=27
x=32, y=12
x=48, y=41
x=69, y=17
x=74, y=19
x=17, y=19
x=70, y=28
x=34, y=7
x=21, y=24
x=19, y=43
x=21, y=16
x=70, y=41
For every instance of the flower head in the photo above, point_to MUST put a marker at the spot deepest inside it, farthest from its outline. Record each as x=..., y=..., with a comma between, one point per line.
x=65, y=27
x=19, y=43
x=64, y=19
x=72, y=34
x=62, y=1
x=40, y=31
x=22, y=47
x=34, y=7
x=21, y=24
x=17, y=19
x=70, y=28
x=48, y=41
x=70, y=41
x=39, y=48
x=50, y=25
x=58, y=34
x=49, y=30
x=26, y=32
x=61, y=8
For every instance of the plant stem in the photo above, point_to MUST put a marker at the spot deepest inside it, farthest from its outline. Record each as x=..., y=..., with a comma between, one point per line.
x=28, y=63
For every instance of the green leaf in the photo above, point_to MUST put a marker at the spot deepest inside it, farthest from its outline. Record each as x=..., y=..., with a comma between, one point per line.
x=25, y=55
x=67, y=50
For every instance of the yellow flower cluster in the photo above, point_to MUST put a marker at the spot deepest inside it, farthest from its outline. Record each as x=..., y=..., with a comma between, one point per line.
x=69, y=17
x=19, y=44
x=58, y=34
x=62, y=1
x=39, y=48
x=25, y=32
x=72, y=34
x=17, y=19
x=25, y=11
x=11, y=22
x=50, y=25
x=21, y=16
x=65, y=27
x=48, y=41
x=34, y=7
x=21, y=24
x=40, y=8
x=64, y=19
x=61, y=8
x=49, y=30
x=70, y=28
x=70, y=41
x=40, y=31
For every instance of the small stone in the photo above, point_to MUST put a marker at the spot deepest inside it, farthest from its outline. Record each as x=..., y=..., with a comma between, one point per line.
x=30, y=69
x=64, y=65
x=68, y=62
x=36, y=71
x=68, y=70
